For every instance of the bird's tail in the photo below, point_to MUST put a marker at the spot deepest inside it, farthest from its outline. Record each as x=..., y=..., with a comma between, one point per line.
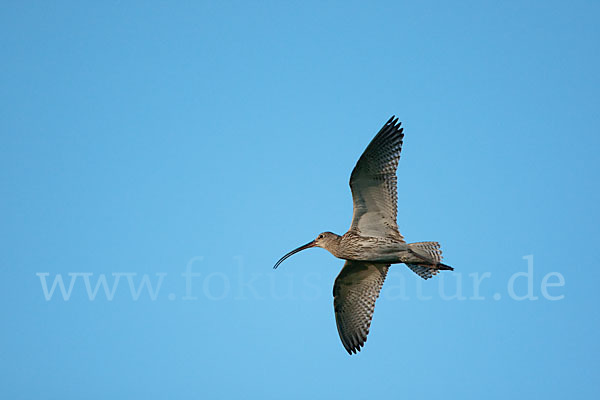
x=444, y=267
x=429, y=251
x=431, y=254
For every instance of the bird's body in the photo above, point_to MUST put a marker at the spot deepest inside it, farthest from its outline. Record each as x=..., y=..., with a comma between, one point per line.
x=354, y=247
x=373, y=241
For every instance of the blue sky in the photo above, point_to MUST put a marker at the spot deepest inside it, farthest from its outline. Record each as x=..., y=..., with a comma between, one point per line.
x=148, y=141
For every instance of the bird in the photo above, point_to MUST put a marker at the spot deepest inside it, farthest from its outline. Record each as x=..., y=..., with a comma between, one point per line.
x=373, y=241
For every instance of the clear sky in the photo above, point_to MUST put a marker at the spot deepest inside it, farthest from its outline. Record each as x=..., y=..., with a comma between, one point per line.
x=188, y=145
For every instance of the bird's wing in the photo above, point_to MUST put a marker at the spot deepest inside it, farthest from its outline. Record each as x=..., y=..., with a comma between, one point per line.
x=373, y=183
x=354, y=293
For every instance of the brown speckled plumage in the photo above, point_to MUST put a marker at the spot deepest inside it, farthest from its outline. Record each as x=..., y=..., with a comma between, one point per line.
x=373, y=241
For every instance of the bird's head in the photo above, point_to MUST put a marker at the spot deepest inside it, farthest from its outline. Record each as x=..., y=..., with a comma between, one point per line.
x=325, y=240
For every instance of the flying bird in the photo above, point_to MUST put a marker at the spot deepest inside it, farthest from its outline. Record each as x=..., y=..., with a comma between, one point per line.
x=373, y=241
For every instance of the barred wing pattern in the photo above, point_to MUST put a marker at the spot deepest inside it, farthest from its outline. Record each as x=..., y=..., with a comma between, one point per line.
x=373, y=183
x=354, y=294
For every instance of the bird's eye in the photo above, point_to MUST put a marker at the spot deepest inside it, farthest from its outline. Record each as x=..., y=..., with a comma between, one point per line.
x=320, y=236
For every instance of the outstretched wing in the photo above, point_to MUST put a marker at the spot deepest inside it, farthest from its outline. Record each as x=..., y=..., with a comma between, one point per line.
x=373, y=183
x=354, y=293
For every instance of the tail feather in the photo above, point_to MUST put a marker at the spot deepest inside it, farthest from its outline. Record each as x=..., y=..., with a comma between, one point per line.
x=444, y=267
x=428, y=251
x=423, y=271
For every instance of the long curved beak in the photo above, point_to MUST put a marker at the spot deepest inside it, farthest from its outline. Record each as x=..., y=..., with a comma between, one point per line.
x=291, y=253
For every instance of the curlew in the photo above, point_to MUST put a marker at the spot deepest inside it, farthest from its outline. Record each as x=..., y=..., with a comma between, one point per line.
x=373, y=241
